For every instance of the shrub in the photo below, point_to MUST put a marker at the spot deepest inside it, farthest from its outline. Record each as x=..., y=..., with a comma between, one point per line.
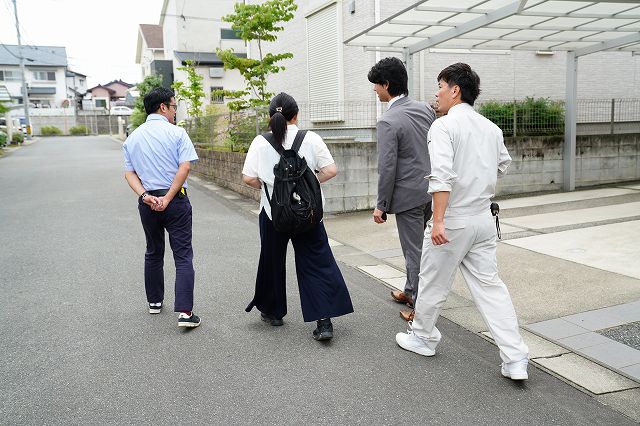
x=532, y=116
x=3, y=138
x=50, y=131
x=79, y=130
x=242, y=129
x=17, y=137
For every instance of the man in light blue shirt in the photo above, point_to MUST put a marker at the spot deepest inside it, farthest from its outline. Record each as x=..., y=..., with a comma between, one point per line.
x=157, y=161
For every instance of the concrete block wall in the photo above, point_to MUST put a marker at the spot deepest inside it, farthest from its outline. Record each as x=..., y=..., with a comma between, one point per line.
x=536, y=166
x=356, y=185
x=600, y=159
x=607, y=159
x=97, y=124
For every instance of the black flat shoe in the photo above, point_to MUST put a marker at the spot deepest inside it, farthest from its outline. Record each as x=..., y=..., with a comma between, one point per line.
x=276, y=322
x=324, y=331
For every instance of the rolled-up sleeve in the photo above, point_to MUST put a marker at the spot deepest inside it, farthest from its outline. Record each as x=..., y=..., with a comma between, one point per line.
x=442, y=176
x=504, y=159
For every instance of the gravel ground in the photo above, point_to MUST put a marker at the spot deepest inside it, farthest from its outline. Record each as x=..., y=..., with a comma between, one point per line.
x=628, y=334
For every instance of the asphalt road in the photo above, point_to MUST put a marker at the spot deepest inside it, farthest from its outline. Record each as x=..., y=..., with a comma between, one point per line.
x=78, y=346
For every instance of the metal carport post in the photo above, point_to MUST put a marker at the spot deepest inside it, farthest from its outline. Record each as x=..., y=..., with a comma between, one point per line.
x=569, y=154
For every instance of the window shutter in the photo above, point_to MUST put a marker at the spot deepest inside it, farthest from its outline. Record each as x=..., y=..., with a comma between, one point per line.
x=323, y=65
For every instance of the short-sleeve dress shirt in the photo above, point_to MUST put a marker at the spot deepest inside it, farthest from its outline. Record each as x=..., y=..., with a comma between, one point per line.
x=155, y=150
x=261, y=158
x=467, y=154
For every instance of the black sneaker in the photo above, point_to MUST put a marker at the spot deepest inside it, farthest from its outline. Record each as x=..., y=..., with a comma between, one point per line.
x=324, y=330
x=276, y=322
x=188, y=321
x=155, y=308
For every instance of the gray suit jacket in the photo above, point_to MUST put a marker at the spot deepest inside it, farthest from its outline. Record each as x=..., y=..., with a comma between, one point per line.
x=403, y=156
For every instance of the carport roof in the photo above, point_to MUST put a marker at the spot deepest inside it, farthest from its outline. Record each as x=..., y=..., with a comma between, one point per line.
x=557, y=25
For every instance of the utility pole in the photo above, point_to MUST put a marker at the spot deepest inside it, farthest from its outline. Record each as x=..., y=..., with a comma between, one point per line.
x=25, y=94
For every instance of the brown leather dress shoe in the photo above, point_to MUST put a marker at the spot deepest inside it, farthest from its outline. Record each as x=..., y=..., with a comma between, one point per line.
x=400, y=297
x=407, y=316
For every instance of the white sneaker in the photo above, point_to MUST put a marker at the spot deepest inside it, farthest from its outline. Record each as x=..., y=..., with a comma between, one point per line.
x=410, y=342
x=155, y=308
x=515, y=370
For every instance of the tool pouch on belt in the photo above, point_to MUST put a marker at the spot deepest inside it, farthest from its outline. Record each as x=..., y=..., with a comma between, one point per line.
x=495, y=211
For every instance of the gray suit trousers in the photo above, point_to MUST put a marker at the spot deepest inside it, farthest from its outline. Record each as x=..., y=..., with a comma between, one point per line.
x=411, y=224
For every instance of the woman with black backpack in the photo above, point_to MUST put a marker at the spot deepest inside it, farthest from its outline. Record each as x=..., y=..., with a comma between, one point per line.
x=288, y=165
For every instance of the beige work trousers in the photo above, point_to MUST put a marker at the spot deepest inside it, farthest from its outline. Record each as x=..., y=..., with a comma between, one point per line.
x=472, y=247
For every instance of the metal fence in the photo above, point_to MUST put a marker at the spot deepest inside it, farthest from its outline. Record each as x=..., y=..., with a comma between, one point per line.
x=527, y=117
x=515, y=118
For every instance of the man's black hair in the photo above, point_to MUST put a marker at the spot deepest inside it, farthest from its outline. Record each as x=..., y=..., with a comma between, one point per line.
x=156, y=97
x=463, y=76
x=392, y=71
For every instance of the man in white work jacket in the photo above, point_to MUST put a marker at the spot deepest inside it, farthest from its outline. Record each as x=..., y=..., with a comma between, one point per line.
x=467, y=155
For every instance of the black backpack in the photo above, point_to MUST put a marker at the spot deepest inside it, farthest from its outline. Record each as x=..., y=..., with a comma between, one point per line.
x=296, y=202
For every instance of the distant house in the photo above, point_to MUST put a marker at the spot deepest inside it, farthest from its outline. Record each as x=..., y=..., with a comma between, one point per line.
x=150, y=53
x=107, y=95
x=76, y=87
x=46, y=68
x=191, y=31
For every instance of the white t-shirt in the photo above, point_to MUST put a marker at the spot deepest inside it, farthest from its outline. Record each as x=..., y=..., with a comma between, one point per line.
x=262, y=157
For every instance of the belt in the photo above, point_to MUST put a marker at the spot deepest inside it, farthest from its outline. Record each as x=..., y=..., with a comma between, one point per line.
x=163, y=192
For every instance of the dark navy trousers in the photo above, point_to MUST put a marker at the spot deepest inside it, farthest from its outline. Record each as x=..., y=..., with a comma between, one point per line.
x=323, y=292
x=176, y=219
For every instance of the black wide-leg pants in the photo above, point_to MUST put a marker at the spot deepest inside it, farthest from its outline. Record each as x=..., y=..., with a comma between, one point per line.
x=323, y=292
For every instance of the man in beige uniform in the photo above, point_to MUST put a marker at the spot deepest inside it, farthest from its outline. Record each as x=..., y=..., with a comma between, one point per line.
x=467, y=154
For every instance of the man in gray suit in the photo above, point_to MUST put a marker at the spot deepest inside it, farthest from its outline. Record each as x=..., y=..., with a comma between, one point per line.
x=403, y=164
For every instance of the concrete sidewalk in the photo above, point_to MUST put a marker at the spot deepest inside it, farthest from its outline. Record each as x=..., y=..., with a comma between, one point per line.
x=570, y=262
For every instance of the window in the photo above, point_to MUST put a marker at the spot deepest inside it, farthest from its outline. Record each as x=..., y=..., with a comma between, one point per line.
x=9, y=75
x=44, y=75
x=324, y=64
x=101, y=103
x=227, y=34
x=216, y=99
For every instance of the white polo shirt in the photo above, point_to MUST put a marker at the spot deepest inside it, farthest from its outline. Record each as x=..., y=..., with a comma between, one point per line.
x=262, y=157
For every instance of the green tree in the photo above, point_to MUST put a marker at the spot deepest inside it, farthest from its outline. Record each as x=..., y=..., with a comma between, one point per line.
x=3, y=109
x=192, y=92
x=258, y=23
x=149, y=83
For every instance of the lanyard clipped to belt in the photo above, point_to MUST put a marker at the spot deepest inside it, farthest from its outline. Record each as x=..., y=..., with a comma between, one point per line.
x=495, y=211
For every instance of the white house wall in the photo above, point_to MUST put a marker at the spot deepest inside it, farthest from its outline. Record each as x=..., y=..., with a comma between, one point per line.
x=15, y=87
x=514, y=75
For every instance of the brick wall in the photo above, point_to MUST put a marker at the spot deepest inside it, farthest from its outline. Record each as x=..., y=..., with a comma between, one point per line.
x=354, y=188
x=536, y=166
x=225, y=169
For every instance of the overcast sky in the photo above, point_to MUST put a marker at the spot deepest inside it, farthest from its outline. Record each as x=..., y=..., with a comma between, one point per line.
x=100, y=35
